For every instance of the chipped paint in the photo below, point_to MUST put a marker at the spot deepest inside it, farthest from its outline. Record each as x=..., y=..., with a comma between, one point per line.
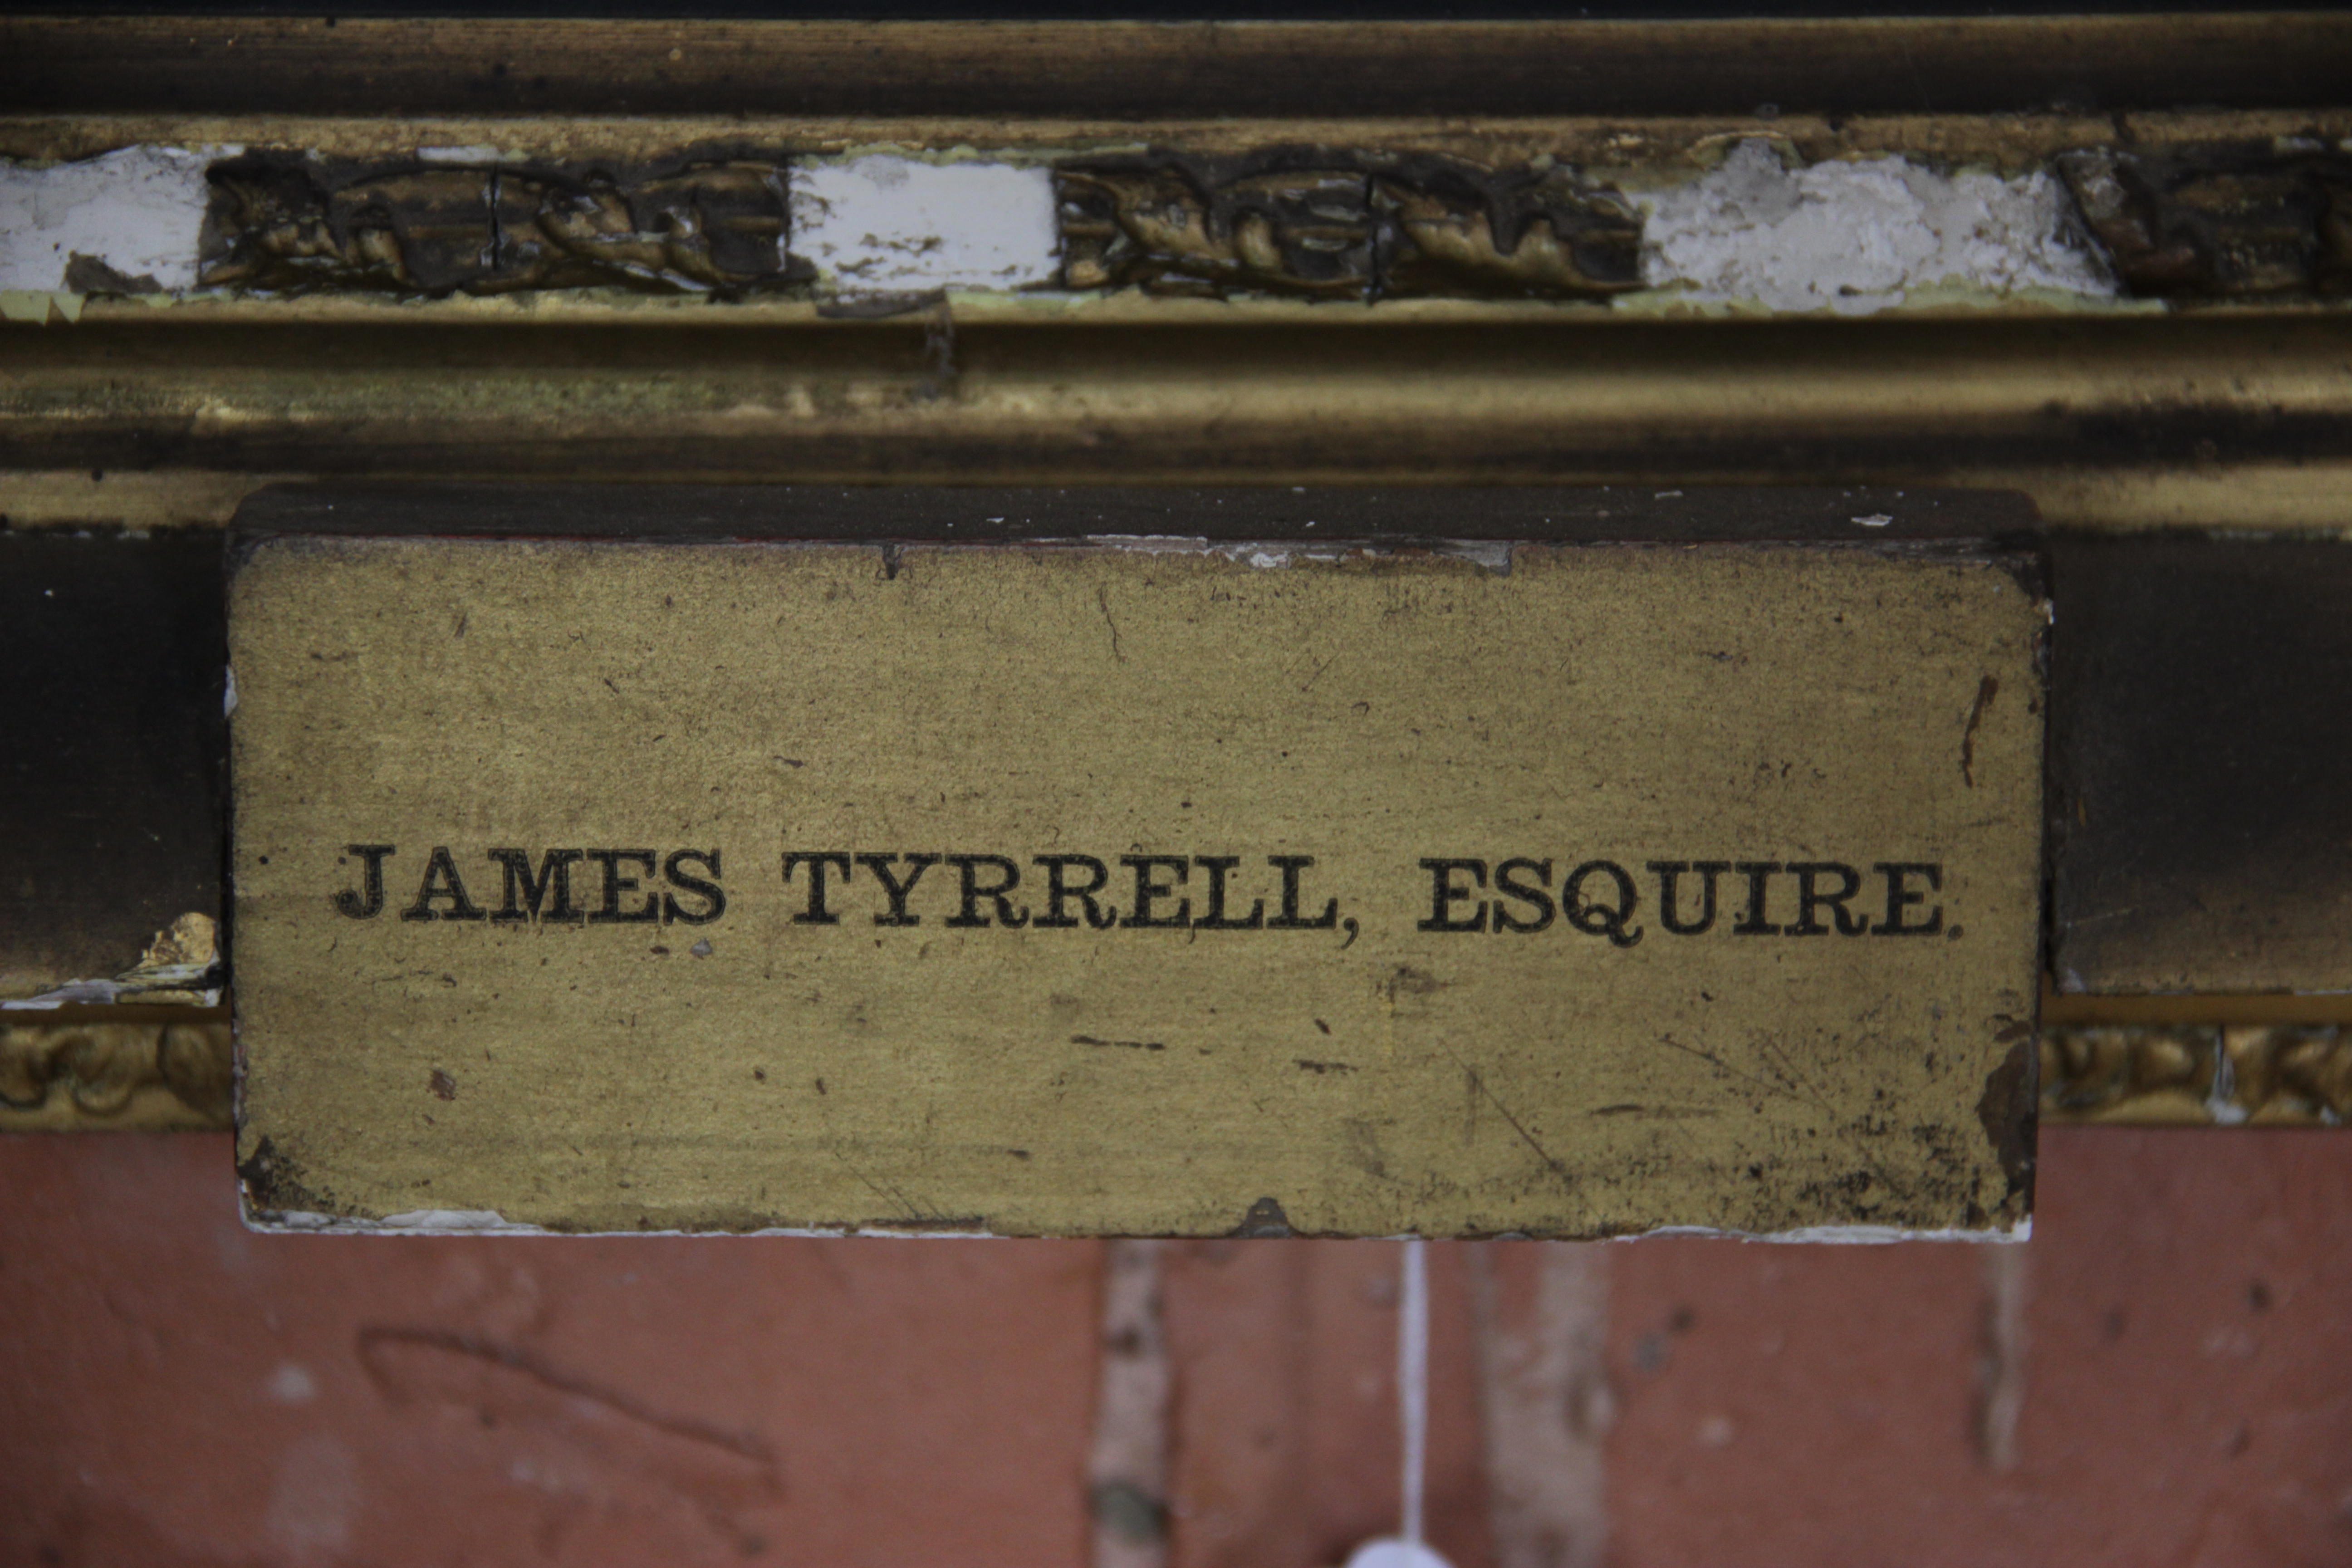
x=886, y=225
x=1487, y=554
x=181, y=967
x=1760, y=231
x=460, y=156
x=1858, y=238
x=489, y=1222
x=1846, y=1234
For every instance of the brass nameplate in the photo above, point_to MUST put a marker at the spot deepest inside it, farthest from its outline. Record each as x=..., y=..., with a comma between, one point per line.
x=1099, y=889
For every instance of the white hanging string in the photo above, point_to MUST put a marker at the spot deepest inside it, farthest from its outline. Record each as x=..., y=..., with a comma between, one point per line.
x=1412, y=1382
x=1405, y=1549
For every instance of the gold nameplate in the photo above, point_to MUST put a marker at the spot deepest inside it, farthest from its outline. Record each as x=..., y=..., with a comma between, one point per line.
x=1107, y=889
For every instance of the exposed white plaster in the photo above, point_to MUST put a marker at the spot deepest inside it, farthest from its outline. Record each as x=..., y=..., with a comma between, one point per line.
x=181, y=963
x=1492, y=555
x=1845, y=1234
x=102, y=993
x=2221, y=1099
x=1849, y=237
x=885, y=224
x=76, y=992
x=489, y=1222
x=138, y=210
x=452, y=1219
x=1858, y=238
x=1127, y=1462
x=415, y=1222
x=1147, y=543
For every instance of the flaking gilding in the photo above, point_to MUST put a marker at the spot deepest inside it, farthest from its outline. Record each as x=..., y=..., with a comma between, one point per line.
x=1784, y=219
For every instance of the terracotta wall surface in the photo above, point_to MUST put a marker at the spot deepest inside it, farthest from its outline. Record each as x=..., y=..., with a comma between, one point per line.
x=177, y=1392
x=2182, y=1370
x=2163, y=1375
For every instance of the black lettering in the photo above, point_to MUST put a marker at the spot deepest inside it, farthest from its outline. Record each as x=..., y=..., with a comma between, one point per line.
x=707, y=888
x=1900, y=897
x=1669, y=872
x=1149, y=891
x=1810, y=897
x=968, y=868
x=1753, y=923
x=1058, y=892
x=896, y=890
x=368, y=902
x=1443, y=895
x=1218, y=867
x=525, y=893
x=818, y=913
x=1291, y=866
x=1600, y=919
x=441, y=881
x=610, y=913
x=1531, y=893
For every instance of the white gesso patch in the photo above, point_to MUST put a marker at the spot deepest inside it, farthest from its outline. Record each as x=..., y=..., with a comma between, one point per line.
x=885, y=224
x=314, y=1500
x=138, y=211
x=1858, y=238
x=291, y=1383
